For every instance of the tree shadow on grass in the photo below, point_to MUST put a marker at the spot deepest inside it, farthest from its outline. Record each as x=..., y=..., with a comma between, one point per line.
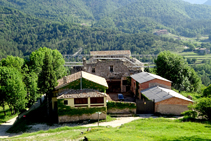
x=35, y=116
x=191, y=138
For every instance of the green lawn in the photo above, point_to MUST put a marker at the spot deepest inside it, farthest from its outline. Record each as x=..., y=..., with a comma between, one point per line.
x=8, y=117
x=143, y=129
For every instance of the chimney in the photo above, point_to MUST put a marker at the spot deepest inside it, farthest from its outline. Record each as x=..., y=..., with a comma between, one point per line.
x=84, y=64
x=65, y=79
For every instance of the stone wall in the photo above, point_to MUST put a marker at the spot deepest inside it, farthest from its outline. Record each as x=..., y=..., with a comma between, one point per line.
x=102, y=68
x=121, y=111
x=173, y=106
x=171, y=109
x=155, y=82
x=75, y=118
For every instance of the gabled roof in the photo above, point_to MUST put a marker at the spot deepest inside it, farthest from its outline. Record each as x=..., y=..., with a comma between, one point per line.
x=81, y=94
x=110, y=53
x=91, y=77
x=145, y=76
x=159, y=94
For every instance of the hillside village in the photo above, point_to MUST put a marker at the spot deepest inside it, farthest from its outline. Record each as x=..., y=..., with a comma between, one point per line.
x=108, y=74
x=125, y=70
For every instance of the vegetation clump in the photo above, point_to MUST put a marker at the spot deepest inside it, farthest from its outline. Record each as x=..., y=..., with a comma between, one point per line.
x=120, y=105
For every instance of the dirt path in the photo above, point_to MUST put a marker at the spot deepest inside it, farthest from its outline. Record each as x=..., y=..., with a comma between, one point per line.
x=120, y=121
x=5, y=126
x=34, y=128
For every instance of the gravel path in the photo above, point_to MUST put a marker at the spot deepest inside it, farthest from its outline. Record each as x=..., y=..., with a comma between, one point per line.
x=37, y=127
x=120, y=121
x=5, y=126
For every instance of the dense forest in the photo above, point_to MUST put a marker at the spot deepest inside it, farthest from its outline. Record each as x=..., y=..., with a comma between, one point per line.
x=20, y=34
x=130, y=16
x=146, y=15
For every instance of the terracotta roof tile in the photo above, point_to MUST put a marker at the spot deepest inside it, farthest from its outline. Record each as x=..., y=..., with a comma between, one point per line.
x=110, y=53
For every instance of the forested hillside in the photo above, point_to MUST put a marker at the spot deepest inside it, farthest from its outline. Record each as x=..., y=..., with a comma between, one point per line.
x=196, y=1
x=208, y=2
x=77, y=11
x=145, y=15
x=21, y=34
x=129, y=16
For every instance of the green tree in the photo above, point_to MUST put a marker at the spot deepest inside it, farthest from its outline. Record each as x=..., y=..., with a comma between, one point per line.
x=37, y=57
x=30, y=79
x=207, y=91
x=204, y=107
x=176, y=69
x=47, y=79
x=14, y=62
x=12, y=88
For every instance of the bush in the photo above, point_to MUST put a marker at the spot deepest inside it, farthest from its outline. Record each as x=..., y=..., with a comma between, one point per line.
x=190, y=114
x=204, y=107
x=207, y=91
x=121, y=105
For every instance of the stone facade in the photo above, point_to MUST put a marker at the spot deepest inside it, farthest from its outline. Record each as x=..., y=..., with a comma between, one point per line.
x=173, y=106
x=66, y=118
x=103, y=69
x=112, y=70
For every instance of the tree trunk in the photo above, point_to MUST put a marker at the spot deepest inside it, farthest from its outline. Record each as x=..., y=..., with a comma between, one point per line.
x=11, y=110
x=14, y=110
x=5, y=114
x=48, y=104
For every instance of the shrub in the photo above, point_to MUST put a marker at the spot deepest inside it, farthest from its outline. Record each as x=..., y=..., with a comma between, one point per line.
x=207, y=91
x=190, y=114
x=204, y=107
x=121, y=105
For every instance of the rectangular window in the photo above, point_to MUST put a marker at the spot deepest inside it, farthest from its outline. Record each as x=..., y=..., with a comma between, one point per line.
x=80, y=101
x=65, y=102
x=93, y=70
x=124, y=82
x=111, y=69
x=97, y=100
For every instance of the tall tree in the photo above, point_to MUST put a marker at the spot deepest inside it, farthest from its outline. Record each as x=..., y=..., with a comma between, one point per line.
x=175, y=68
x=30, y=79
x=12, y=88
x=37, y=57
x=47, y=79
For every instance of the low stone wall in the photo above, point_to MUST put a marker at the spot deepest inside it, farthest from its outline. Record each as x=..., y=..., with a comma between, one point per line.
x=121, y=107
x=171, y=109
x=121, y=111
x=67, y=118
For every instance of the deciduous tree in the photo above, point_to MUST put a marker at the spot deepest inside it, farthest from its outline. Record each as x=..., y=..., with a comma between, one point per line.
x=176, y=69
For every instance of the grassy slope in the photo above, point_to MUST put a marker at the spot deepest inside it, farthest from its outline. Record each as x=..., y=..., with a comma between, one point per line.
x=144, y=129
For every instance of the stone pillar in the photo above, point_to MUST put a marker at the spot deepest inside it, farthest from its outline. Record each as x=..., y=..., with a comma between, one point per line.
x=89, y=102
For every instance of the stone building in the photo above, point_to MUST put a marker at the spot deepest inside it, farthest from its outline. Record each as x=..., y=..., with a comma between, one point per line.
x=115, y=67
x=79, y=96
x=167, y=101
x=145, y=80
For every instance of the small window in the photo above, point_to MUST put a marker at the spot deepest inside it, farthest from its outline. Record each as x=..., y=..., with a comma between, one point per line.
x=93, y=70
x=65, y=102
x=124, y=82
x=80, y=101
x=97, y=100
x=111, y=69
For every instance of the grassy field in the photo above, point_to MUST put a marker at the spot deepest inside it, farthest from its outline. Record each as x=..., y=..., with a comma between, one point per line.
x=8, y=117
x=144, y=129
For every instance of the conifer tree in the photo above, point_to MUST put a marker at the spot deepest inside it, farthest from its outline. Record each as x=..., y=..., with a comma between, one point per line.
x=47, y=79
